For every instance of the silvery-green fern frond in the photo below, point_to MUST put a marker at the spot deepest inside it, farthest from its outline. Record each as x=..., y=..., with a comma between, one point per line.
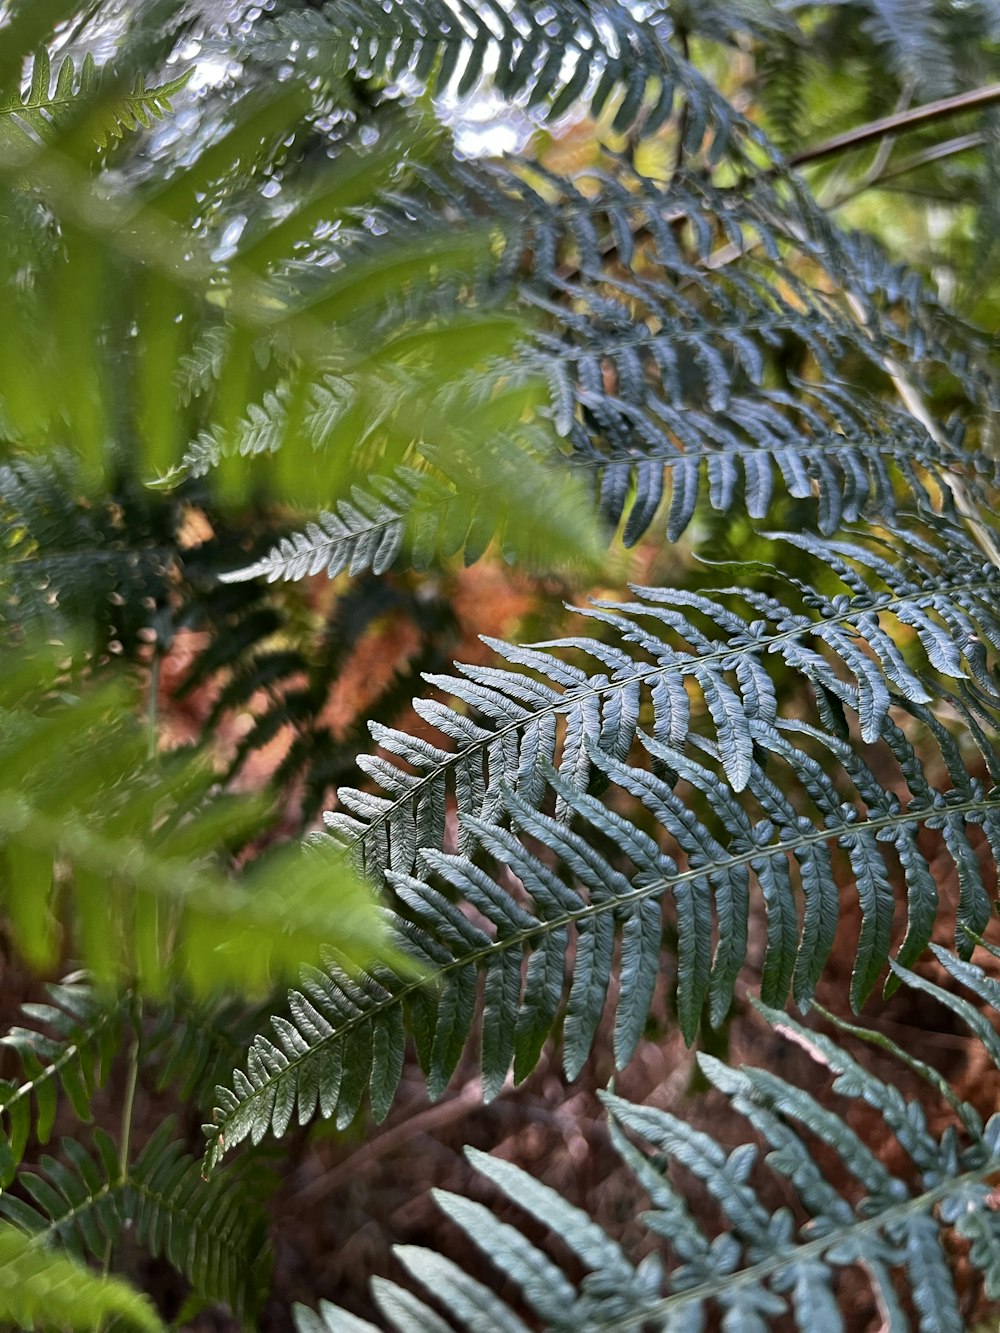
x=569, y=841
x=691, y=341
x=896, y=1224
x=673, y=661
x=551, y=60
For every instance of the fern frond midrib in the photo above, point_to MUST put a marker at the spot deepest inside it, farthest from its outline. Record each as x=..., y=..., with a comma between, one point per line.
x=684, y=667
x=207, y=1228
x=765, y=1268
x=54, y=1225
x=804, y=446
x=68, y=1053
x=143, y=97
x=669, y=455
x=588, y=911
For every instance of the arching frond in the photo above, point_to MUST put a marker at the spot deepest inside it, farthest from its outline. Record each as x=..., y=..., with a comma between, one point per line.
x=850, y=461
x=761, y=1265
x=658, y=310
x=553, y=60
x=212, y=1232
x=656, y=660
x=794, y=810
x=81, y=91
x=913, y=37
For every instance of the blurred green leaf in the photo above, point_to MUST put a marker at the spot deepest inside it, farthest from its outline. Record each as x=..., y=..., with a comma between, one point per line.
x=41, y=1289
x=135, y=846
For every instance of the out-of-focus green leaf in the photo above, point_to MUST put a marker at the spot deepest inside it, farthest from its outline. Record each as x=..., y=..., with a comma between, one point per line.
x=41, y=1289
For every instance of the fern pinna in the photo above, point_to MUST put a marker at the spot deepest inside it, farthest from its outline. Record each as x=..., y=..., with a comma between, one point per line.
x=764, y=1262
x=790, y=737
x=730, y=795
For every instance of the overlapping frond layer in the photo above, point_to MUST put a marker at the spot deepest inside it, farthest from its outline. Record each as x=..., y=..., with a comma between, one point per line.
x=87, y=810
x=727, y=797
x=673, y=661
x=73, y=562
x=46, y=1289
x=82, y=91
x=762, y=1264
x=693, y=341
x=551, y=60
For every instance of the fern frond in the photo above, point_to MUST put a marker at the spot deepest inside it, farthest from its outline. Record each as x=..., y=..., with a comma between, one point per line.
x=648, y=658
x=42, y=1289
x=552, y=60
x=793, y=809
x=782, y=71
x=71, y=563
x=363, y=533
x=213, y=1232
x=80, y=1032
x=912, y=34
x=53, y=100
x=191, y=1044
x=137, y=841
x=762, y=1265
x=347, y=1033
x=655, y=356
x=851, y=457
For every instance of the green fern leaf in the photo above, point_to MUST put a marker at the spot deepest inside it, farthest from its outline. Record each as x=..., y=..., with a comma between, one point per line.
x=80, y=1031
x=81, y=91
x=214, y=1233
x=79, y=790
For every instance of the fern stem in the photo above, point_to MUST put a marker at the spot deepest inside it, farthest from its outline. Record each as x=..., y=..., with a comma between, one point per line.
x=899, y=123
x=131, y=1083
x=883, y=152
x=125, y=1135
x=912, y=400
x=128, y=1106
x=756, y=1274
x=682, y=118
x=962, y=143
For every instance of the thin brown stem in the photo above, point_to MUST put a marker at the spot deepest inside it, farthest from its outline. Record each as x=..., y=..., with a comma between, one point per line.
x=962, y=143
x=682, y=118
x=900, y=122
